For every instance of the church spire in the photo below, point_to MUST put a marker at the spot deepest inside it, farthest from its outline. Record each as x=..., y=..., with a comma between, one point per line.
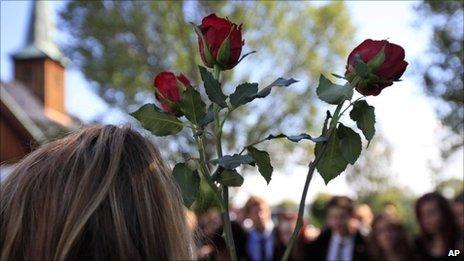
x=39, y=40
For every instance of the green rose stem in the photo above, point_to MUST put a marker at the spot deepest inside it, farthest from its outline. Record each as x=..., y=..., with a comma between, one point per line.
x=225, y=190
x=312, y=167
x=203, y=166
x=351, y=104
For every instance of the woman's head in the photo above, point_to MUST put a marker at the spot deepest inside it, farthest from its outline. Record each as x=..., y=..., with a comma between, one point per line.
x=388, y=233
x=435, y=216
x=389, y=236
x=102, y=193
x=210, y=222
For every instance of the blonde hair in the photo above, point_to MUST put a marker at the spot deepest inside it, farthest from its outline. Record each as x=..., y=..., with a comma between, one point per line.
x=255, y=201
x=102, y=193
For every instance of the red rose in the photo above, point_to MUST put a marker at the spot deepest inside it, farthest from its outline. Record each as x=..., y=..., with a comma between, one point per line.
x=381, y=70
x=220, y=42
x=168, y=89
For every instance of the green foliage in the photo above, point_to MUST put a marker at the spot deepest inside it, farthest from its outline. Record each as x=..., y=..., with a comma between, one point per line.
x=372, y=172
x=230, y=177
x=332, y=162
x=243, y=93
x=245, y=55
x=343, y=147
x=304, y=136
x=280, y=82
x=120, y=45
x=263, y=161
x=296, y=138
x=206, y=199
x=337, y=76
x=188, y=181
x=286, y=205
x=396, y=199
x=378, y=60
x=350, y=143
x=224, y=52
x=317, y=210
x=213, y=88
x=192, y=106
x=360, y=66
x=207, y=54
x=232, y=161
x=158, y=122
x=325, y=126
x=450, y=187
x=443, y=64
x=331, y=157
x=333, y=93
x=364, y=116
x=208, y=118
x=247, y=92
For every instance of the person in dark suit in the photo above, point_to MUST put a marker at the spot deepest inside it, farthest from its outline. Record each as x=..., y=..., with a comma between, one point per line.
x=210, y=242
x=261, y=241
x=286, y=217
x=338, y=241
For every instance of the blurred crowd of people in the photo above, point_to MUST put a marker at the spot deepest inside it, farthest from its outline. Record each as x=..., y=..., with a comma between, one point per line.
x=351, y=232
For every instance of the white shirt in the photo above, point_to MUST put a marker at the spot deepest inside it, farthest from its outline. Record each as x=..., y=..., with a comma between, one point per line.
x=340, y=247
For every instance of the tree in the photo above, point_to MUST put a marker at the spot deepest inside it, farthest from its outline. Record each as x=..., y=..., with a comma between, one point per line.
x=451, y=187
x=443, y=68
x=317, y=210
x=121, y=45
x=398, y=197
x=401, y=199
x=374, y=183
x=372, y=172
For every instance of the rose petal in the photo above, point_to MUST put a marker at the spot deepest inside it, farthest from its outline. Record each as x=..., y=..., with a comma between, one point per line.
x=374, y=89
x=183, y=80
x=213, y=20
x=215, y=31
x=392, y=71
x=166, y=107
x=215, y=37
x=394, y=52
x=166, y=83
x=368, y=49
x=399, y=70
x=234, y=56
x=236, y=39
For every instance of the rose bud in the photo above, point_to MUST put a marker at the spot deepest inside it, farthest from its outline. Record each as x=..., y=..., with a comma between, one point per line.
x=168, y=88
x=374, y=65
x=220, y=42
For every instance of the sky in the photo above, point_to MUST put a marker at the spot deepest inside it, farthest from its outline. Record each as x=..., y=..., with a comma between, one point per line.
x=405, y=116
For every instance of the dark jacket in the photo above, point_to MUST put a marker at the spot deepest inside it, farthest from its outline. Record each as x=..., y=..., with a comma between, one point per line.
x=279, y=248
x=218, y=243
x=297, y=252
x=423, y=253
x=240, y=239
x=318, y=250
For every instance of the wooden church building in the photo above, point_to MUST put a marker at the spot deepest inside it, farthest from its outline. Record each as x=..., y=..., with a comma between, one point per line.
x=33, y=105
